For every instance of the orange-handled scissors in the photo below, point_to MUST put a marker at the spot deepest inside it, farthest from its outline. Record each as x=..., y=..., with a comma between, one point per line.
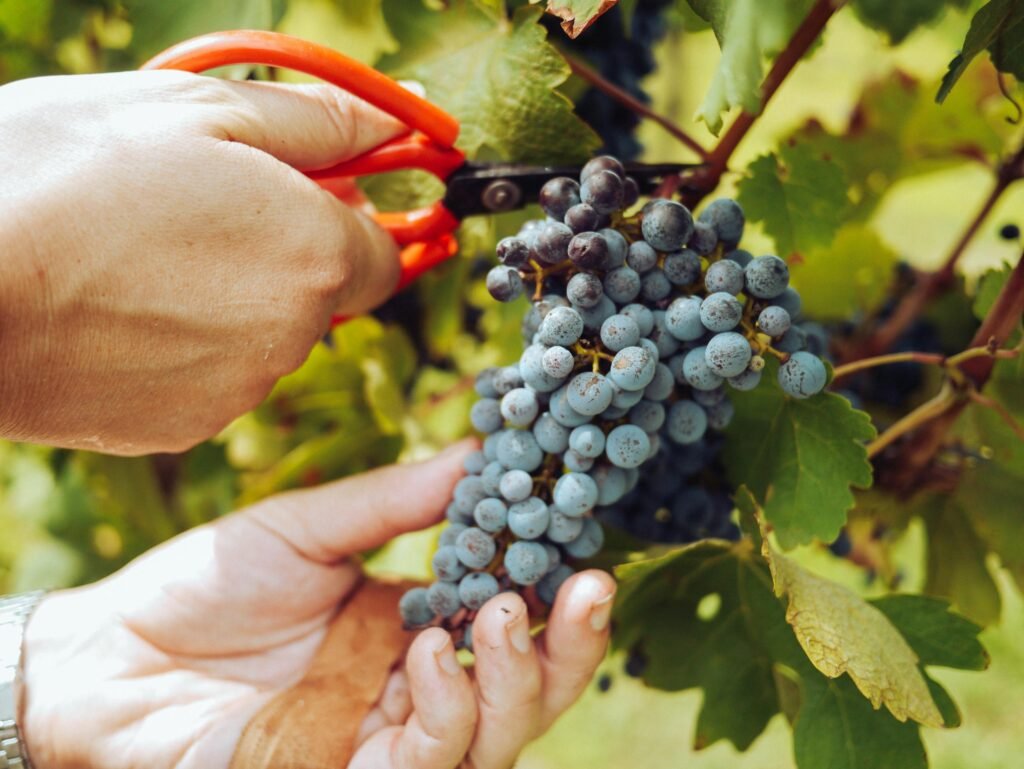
x=426, y=234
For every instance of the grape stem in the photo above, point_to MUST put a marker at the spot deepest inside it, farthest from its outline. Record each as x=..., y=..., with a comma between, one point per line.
x=951, y=363
x=629, y=101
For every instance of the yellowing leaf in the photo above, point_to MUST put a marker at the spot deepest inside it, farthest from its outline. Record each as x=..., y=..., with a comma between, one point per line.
x=842, y=633
x=577, y=15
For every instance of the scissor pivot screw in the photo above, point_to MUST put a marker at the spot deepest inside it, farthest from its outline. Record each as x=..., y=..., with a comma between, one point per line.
x=501, y=195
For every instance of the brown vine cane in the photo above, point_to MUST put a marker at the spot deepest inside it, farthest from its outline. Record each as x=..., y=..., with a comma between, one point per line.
x=314, y=724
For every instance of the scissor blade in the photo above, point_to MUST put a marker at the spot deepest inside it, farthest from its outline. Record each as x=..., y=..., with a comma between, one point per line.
x=482, y=188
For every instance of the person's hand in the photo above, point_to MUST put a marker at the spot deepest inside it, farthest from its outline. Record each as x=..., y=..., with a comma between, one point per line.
x=163, y=664
x=163, y=261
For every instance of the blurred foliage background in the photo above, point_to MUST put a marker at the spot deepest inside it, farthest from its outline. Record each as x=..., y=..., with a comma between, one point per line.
x=399, y=385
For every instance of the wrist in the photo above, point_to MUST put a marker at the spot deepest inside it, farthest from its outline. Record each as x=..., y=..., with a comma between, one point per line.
x=15, y=612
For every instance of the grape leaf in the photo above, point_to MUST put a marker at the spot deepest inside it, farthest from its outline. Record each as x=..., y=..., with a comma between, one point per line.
x=998, y=26
x=354, y=27
x=989, y=286
x=798, y=457
x=748, y=31
x=799, y=196
x=851, y=275
x=842, y=633
x=497, y=76
x=577, y=15
x=157, y=24
x=937, y=635
x=899, y=19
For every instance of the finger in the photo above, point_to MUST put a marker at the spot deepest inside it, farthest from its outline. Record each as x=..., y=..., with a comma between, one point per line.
x=332, y=521
x=308, y=126
x=392, y=709
x=508, y=681
x=574, y=640
x=439, y=731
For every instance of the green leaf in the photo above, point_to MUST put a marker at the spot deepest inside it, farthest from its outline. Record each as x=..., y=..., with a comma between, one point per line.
x=798, y=457
x=799, y=196
x=937, y=635
x=354, y=27
x=158, y=24
x=25, y=20
x=899, y=19
x=842, y=633
x=577, y=15
x=497, y=76
x=999, y=27
x=837, y=728
x=850, y=276
x=989, y=286
x=748, y=31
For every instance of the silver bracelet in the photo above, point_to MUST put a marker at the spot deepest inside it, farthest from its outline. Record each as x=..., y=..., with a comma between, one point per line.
x=15, y=611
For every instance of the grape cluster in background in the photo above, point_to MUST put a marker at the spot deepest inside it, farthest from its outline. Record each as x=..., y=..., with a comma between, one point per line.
x=639, y=326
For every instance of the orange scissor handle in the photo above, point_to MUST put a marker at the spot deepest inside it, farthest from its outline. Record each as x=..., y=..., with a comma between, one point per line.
x=425, y=231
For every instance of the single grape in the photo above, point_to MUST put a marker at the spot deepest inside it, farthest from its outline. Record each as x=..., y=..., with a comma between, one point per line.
x=534, y=373
x=720, y=415
x=641, y=257
x=648, y=416
x=550, y=435
x=526, y=562
x=594, y=316
x=622, y=285
x=632, y=369
x=548, y=587
x=604, y=191
x=620, y=331
x=554, y=554
x=766, y=277
x=474, y=463
x=636, y=663
x=414, y=608
x=504, y=283
x=557, y=362
x=789, y=300
x=727, y=354
x=507, y=378
x=484, y=384
x=666, y=225
x=588, y=250
x=682, y=267
x=519, y=407
x=697, y=372
x=518, y=450
x=745, y=381
x=491, y=446
x=687, y=422
x=655, y=285
x=563, y=528
x=552, y=244
x=817, y=338
x=576, y=462
x=803, y=375
x=618, y=248
x=725, y=276
x=513, y=252
x=601, y=163
x=741, y=257
x=773, y=320
x=660, y=341
x=475, y=547
x=587, y=441
x=516, y=485
x=528, y=519
x=682, y=319
x=446, y=563
x=611, y=483
x=704, y=238
x=443, y=598
x=562, y=412
x=584, y=290
x=582, y=218
x=661, y=385
x=468, y=492
x=627, y=446
x=575, y=493
x=589, y=542
x=561, y=326
x=476, y=589
x=641, y=315
x=590, y=393
x=630, y=192
x=558, y=195
x=625, y=399
x=720, y=312
x=727, y=218
x=794, y=340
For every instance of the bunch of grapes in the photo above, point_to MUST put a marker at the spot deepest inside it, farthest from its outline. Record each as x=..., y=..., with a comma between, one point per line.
x=639, y=326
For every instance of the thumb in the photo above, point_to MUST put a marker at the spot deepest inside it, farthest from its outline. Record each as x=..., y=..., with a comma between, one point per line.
x=331, y=522
x=307, y=126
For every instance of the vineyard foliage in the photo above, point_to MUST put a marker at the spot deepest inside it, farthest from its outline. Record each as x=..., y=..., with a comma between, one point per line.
x=755, y=624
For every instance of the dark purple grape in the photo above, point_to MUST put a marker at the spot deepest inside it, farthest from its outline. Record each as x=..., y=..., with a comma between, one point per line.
x=588, y=250
x=553, y=243
x=630, y=192
x=513, y=252
x=666, y=225
x=604, y=191
x=602, y=163
x=558, y=195
x=582, y=218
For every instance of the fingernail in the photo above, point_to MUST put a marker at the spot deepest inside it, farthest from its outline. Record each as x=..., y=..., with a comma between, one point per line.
x=519, y=633
x=446, y=658
x=601, y=612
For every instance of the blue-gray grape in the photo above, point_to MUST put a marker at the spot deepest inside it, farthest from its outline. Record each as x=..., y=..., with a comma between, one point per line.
x=803, y=375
